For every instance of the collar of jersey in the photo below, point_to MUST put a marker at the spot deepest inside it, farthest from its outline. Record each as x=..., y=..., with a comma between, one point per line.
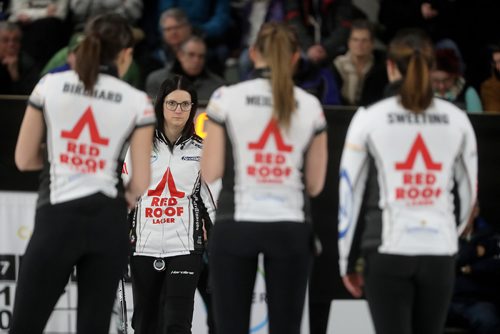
x=264, y=72
x=108, y=69
x=180, y=141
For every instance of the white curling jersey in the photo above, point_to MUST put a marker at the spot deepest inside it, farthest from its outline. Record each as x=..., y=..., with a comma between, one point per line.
x=86, y=134
x=417, y=158
x=171, y=216
x=263, y=175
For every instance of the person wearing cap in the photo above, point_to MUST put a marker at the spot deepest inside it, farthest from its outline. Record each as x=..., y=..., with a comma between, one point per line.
x=65, y=59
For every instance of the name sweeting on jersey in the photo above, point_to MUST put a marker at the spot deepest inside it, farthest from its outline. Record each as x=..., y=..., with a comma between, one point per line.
x=100, y=94
x=413, y=118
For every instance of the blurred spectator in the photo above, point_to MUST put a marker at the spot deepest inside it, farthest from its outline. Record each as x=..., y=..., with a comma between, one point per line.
x=190, y=63
x=449, y=84
x=490, y=88
x=253, y=14
x=65, y=59
x=18, y=71
x=82, y=10
x=210, y=19
x=175, y=29
x=361, y=71
x=43, y=26
x=317, y=80
x=476, y=297
x=323, y=26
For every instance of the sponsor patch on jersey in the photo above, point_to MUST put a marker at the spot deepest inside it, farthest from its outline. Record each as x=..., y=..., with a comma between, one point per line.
x=217, y=94
x=191, y=158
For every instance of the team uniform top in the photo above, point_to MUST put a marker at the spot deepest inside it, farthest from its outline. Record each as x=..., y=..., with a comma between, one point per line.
x=170, y=216
x=417, y=157
x=86, y=134
x=263, y=179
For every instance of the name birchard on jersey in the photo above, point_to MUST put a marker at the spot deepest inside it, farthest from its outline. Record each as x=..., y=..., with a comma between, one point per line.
x=101, y=94
x=412, y=118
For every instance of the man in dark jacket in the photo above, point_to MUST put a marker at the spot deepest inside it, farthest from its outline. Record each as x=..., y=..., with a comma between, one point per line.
x=18, y=72
x=190, y=63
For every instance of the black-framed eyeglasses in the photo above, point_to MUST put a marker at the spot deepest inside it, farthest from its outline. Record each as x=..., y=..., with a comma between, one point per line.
x=172, y=105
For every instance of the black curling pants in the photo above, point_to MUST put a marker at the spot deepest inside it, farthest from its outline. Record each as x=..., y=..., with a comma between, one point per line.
x=164, y=300
x=409, y=294
x=234, y=250
x=90, y=233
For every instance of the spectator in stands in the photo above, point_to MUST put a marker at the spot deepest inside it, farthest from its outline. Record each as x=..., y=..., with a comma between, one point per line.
x=43, y=25
x=476, y=297
x=253, y=14
x=65, y=59
x=18, y=71
x=490, y=88
x=175, y=30
x=323, y=26
x=449, y=84
x=211, y=20
x=361, y=72
x=313, y=77
x=317, y=80
x=210, y=17
x=82, y=10
x=191, y=64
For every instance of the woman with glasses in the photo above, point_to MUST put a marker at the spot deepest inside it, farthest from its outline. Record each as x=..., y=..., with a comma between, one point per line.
x=171, y=219
x=448, y=82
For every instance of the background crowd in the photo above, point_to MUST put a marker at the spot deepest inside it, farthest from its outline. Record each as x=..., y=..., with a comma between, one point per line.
x=342, y=62
x=342, y=42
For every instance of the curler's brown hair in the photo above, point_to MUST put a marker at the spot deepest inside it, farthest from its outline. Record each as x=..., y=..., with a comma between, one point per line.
x=277, y=43
x=411, y=50
x=105, y=36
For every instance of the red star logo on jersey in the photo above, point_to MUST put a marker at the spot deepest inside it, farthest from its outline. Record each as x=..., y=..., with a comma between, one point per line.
x=88, y=120
x=272, y=129
x=418, y=147
x=167, y=179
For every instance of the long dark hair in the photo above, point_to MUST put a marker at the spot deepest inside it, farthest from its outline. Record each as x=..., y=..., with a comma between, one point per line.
x=411, y=50
x=105, y=36
x=177, y=82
